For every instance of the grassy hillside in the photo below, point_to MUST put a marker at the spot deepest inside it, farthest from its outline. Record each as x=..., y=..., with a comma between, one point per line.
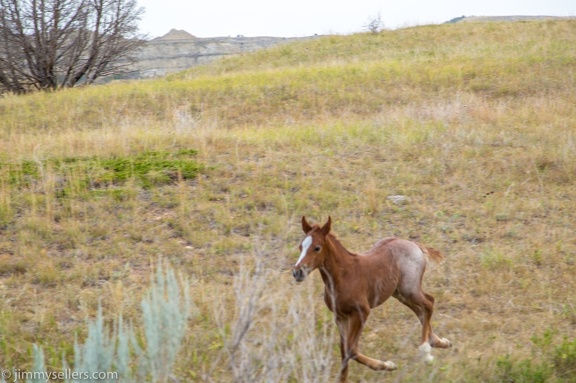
x=213, y=168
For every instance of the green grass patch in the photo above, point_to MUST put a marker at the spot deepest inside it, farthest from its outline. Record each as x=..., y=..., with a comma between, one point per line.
x=152, y=167
x=551, y=362
x=66, y=175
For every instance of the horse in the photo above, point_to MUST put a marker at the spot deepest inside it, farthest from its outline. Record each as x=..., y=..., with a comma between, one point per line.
x=355, y=284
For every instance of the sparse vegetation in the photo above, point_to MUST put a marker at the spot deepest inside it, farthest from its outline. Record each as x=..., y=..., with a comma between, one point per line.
x=473, y=123
x=117, y=355
x=549, y=363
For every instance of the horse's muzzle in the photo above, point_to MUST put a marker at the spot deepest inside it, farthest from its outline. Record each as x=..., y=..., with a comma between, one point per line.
x=298, y=274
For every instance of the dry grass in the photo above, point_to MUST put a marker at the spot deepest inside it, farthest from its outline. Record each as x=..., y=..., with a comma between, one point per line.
x=473, y=123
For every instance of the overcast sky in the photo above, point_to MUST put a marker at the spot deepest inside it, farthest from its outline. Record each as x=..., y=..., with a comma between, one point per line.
x=297, y=18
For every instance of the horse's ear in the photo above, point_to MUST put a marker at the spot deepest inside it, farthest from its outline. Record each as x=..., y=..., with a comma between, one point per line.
x=306, y=227
x=327, y=226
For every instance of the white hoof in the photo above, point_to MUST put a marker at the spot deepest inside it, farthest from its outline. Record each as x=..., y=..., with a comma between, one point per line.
x=446, y=343
x=425, y=351
x=390, y=366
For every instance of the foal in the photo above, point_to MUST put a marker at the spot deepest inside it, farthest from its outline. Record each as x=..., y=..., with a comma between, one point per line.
x=354, y=284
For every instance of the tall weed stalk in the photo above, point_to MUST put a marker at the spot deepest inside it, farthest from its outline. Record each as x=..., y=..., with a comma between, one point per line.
x=276, y=335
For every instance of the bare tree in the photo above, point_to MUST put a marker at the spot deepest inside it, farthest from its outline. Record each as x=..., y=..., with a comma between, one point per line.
x=51, y=44
x=374, y=24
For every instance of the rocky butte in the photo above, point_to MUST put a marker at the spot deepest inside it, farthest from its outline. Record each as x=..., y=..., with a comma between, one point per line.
x=178, y=50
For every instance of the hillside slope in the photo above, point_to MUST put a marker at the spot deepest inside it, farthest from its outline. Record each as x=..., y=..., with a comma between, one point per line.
x=330, y=77
x=212, y=169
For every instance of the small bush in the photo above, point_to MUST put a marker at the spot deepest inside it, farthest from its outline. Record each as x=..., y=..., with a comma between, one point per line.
x=166, y=309
x=564, y=360
x=524, y=371
x=553, y=363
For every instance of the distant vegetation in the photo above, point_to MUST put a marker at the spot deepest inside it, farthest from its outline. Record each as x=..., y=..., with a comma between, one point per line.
x=212, y=168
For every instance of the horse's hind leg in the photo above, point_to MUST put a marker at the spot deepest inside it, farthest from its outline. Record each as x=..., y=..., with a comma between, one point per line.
x=422, y=304
x=423, y=307
x=434, y=340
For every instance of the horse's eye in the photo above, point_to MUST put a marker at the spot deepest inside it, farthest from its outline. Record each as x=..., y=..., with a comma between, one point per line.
x=317, y=248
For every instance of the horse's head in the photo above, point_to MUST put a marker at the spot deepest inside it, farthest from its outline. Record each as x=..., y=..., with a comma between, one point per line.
x=312, y=249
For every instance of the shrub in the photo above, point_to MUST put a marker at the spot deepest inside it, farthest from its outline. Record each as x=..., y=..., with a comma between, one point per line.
x=554, y=363
x=524, y=371
x=166, y=309
x=564, y=360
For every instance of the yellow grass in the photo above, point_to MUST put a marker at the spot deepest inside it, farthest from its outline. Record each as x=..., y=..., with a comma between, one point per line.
x=473, y=123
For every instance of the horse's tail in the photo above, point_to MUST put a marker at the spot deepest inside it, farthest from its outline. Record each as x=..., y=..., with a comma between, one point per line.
x=431, y=254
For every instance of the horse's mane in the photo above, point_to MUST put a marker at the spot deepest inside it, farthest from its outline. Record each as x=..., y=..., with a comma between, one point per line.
x=335, y=241
x=338, y=245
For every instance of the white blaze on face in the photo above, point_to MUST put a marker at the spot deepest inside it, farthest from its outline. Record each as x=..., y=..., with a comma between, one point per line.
x=305, y=245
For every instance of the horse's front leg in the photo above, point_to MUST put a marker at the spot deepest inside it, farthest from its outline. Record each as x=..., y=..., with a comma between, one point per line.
x=352, y=327
x=342, y=323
